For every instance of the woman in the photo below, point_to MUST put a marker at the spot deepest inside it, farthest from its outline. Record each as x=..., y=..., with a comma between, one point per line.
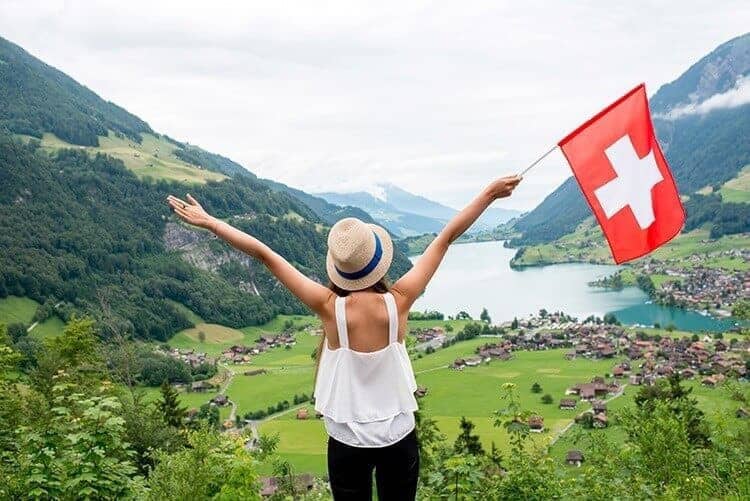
x=365, y=384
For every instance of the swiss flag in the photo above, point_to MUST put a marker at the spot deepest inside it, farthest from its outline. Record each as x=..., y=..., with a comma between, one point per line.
x=623, y=174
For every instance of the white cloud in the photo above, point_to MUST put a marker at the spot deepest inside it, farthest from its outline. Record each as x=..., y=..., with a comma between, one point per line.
x=738, y=95
x=436, y=97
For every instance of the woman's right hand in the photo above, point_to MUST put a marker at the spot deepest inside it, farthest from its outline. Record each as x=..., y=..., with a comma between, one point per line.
x=191, y=211
x=504, y=186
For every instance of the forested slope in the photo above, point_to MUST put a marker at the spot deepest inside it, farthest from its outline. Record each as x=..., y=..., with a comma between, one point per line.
x=88, y=231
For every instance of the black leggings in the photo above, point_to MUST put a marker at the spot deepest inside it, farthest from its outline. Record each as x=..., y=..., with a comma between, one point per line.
x=396, y=470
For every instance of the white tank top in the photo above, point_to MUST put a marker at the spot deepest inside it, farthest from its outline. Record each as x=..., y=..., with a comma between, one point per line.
x=366, y=399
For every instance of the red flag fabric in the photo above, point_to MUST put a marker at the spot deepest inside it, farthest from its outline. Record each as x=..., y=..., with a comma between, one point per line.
x=622, y=172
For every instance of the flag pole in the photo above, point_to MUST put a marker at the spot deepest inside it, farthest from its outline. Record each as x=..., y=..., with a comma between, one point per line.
x=527, y=169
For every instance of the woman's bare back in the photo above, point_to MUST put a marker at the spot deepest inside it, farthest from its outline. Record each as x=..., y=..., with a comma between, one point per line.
x=366, y=321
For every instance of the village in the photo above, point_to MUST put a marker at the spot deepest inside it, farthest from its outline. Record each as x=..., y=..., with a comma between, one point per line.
x=659, y=356
x=690, y=283
x=638, y=357
x=236, y=354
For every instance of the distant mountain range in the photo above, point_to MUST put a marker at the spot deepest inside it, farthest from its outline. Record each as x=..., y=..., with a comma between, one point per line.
x=406, y=214
x=702, y=120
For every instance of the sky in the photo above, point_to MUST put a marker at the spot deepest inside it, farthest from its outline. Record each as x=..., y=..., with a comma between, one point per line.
x=438, y=98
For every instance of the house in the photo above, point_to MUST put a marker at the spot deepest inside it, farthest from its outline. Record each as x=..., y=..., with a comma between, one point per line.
x=712, y=381
x=302, y=413
x=587, y=392
x=228, y=424
x=635, y=379
x=568, y=404
x=664, y=370
x=201, y=386
x=574, y=458
x=421, y=392
x=599, y=406
x=474, y=361
x=618, y=371
x=687, y=373
x=600, y=421
x=606, y=352
x=220, y=400
x=536, y=424
x=458, y=364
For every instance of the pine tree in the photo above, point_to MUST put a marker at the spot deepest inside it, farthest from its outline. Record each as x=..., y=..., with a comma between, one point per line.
x=169, y=405
x=485, y=316
x=466, y=443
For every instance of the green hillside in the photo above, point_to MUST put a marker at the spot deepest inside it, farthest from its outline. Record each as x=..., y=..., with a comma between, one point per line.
x=84, y=223
x=153, y=158
x=36, y=98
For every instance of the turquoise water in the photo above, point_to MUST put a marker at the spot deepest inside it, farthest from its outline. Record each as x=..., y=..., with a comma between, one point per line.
x=478, y=275
x=648, y=314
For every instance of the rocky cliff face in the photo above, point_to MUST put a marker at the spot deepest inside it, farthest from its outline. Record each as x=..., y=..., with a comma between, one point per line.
x=200, y=249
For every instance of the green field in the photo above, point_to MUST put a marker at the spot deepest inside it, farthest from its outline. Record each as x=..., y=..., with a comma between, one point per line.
x=153, y=158
x=219, y=337
x=474, y=393
x=14, y=309
x=189, y=400
x=737, y=189
x=714, y=402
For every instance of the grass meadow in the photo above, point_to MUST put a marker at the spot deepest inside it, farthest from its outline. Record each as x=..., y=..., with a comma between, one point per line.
x=716, y=403
x=14, y=309
x=153, y=158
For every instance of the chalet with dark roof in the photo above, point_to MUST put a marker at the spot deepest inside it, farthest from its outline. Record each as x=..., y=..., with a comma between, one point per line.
x=574, y=458
x=568, y=404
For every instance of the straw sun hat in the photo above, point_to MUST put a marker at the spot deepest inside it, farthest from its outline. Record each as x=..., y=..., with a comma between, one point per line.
x=359, y=254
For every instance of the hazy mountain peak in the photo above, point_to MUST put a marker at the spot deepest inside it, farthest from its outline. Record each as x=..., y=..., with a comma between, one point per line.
x=405, y=213
x=719, y=72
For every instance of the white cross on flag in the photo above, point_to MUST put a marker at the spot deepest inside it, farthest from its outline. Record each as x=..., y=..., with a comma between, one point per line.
x=623, y=174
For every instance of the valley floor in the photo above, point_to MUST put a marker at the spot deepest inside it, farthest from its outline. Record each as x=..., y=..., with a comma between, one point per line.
x=473, y=393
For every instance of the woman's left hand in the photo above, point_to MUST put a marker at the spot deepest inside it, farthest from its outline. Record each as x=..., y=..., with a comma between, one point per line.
x=191, y=211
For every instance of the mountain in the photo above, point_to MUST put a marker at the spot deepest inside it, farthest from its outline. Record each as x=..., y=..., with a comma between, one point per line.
x=330, y=213
x=84, y=225
x=406, y=214
x=702, y=121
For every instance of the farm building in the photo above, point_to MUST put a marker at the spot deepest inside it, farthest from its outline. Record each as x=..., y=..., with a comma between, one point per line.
x=574, y=458
x=568, y=404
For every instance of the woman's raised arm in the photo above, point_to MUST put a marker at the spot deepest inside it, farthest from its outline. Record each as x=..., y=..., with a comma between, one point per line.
x=414, y=282
x=310, y=292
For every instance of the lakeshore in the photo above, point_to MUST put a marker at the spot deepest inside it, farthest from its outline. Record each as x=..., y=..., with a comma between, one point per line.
x=478, y=275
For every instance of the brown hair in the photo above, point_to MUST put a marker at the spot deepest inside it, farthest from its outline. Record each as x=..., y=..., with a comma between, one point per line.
x=381, y=287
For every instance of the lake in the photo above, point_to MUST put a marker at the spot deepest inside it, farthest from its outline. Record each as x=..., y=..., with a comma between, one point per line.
x=478, y=275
